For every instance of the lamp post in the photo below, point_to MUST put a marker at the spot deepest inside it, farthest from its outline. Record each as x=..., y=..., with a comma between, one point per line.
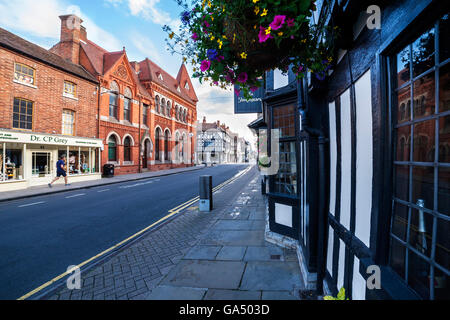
x=213, y=140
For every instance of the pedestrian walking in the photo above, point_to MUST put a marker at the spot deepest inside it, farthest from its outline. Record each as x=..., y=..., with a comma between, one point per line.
x=60, y=171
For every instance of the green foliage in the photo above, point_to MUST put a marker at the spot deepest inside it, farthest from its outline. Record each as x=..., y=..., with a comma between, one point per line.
x=235, y=41
x=340, y=295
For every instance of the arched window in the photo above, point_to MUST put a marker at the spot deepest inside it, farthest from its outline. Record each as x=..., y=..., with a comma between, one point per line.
x=182, y=146
x=113, y=99
x=184, y=116
x=163, y=106
x=112, y=148
x=168, y=108
x=157, y=104
x=127, y=149
x=166, y=145
x=157, y=144
x=177, y=146
x=176, y=112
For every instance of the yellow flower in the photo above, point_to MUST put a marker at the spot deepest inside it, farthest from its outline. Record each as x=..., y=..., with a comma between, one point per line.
x=225, y=37
x=243, y=55
x=280, y=33
x=209, y=3
x=254, y=27
x=303, y=41
x=171, y=35
x=220, y=43
x=256, y=10
x=212, y=38
x=234, y=37
x=268, y=30
x=255, y=1
x=264, y=13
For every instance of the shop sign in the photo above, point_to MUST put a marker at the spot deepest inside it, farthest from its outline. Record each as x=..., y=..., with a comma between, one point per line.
x=18, y=137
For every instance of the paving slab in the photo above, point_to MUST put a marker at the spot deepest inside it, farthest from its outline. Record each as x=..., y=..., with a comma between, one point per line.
x=203, y=253
x=266, y=253
x=233, y=225
x=218, y=294
x=175, y=293
x=278, y=295
x=206, y=274
x=234, y=238
x=231, y=253
x=259, y=275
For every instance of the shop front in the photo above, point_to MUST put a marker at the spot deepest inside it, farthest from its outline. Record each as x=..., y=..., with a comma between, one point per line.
x=29, y=159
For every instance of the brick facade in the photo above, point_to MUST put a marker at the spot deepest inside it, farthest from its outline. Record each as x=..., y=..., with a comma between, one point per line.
x=47, y=96
x=143, y=83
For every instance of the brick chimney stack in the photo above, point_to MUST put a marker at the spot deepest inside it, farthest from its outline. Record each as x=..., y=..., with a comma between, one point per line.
x=71, y=33
x=204, y=119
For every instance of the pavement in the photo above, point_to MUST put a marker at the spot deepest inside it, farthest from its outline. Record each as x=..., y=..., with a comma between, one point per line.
x=57, y=188
x=219, y=255
x=41, y=236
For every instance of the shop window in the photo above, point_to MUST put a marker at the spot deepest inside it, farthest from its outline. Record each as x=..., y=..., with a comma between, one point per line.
x=127, y=149
x=285, y=180
x=419, y=251
x=70, y=89
x=112, y=148
x=68, y=121
x=23, y=114
x=24, y=74
x=11, y=162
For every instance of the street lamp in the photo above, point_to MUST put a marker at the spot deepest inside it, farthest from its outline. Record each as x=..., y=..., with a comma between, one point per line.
x=213, y=154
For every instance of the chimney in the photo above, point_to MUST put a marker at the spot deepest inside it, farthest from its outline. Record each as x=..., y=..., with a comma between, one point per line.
x=83, y=34
x=69, y=45
x=204, y=119
x=218, y=123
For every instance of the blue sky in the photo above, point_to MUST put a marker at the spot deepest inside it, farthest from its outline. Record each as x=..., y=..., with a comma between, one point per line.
x=113, y=24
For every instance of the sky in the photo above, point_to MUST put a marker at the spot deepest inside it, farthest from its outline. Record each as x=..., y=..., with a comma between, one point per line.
x=114, y=24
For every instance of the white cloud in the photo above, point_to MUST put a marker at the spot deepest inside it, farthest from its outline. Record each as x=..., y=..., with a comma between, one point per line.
x=40, y=19
x=145, y=48
x=148, y=9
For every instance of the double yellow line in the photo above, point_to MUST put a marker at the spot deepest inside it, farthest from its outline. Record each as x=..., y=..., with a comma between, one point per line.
x=171, y=213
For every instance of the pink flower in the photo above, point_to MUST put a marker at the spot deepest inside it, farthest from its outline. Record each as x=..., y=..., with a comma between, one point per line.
x=194, y=36
x=290, y=22
x=262, y=35
x=242, y=77
x=206, y=24
x=277, y=22
x=220, y=58
x=253, y=88
x=237, y=92
x=205, y=65
x=216, y=83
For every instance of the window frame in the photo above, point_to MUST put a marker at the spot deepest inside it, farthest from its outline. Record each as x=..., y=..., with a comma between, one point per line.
x=127, y=109
x=23, y=74
x=115, y=148
x=26, y=113
x=67, y=93
x=73, y=113
x=113, y=107
x=127, y=144
x=394, y=123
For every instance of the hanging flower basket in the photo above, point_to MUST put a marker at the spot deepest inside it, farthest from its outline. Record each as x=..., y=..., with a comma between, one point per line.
x=235, y=41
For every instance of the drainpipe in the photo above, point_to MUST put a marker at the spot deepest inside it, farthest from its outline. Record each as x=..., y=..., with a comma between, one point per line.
x=99, y=92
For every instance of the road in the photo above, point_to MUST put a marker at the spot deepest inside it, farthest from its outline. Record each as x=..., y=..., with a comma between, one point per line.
x=41, y=236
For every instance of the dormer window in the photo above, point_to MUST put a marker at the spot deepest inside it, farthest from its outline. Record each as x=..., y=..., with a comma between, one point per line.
x=186, y=86
x=160, y=77
x=178, y=89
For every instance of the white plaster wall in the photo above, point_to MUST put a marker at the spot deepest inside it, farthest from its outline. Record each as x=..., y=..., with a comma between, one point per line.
x=358, y=283
x=330, y=250
x=364, y=158
x=333, y=156
x=341, y=265
x=283, y=214
x=346, y=157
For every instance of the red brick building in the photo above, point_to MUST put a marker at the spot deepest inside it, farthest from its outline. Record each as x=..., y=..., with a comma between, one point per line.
x=48, y=108
x=146, y=116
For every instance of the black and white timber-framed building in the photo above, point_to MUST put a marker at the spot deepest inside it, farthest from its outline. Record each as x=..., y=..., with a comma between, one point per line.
x=364, y=156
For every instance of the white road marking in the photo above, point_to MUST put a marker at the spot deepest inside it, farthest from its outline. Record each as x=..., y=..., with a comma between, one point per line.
x=138, y=184
x=76, y=195
x=103, y=190
x=31, y=204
